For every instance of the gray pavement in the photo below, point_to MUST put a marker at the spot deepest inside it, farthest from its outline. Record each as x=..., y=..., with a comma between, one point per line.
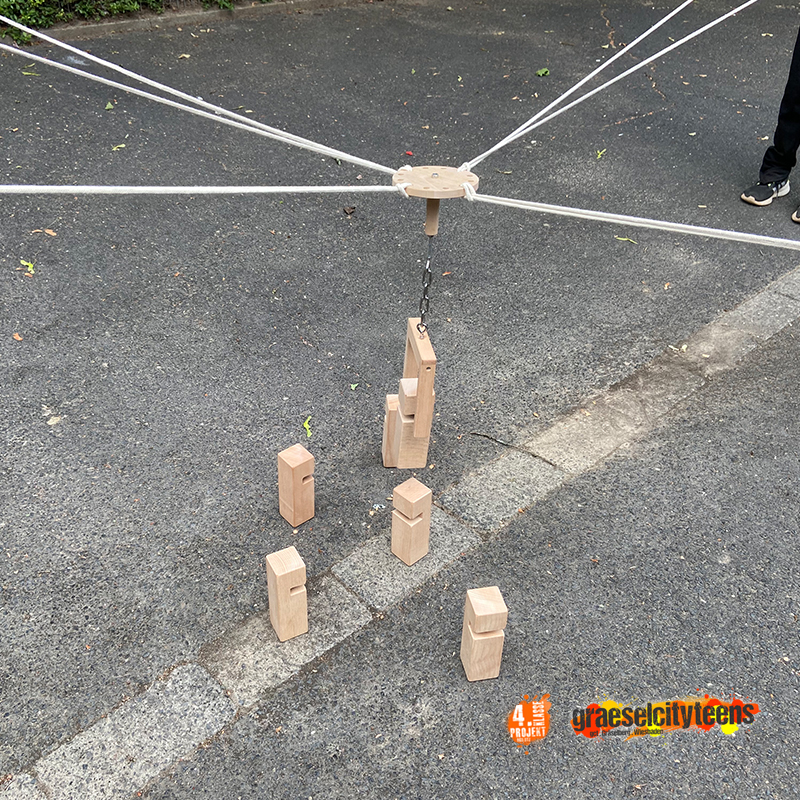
x=611, y=448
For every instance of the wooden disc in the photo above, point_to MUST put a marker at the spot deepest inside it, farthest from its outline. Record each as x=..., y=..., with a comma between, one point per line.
x=435, y=182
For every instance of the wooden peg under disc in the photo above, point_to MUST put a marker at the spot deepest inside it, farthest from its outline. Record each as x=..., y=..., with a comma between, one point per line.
x=434, y=184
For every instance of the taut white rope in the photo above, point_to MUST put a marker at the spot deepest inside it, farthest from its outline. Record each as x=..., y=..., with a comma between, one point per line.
x=539, y=114
x=39, y=189
x=638, y=222
x=528, y=128
x=275, y=133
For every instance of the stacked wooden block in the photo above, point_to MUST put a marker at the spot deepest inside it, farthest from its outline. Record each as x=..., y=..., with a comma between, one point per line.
x=409, y=413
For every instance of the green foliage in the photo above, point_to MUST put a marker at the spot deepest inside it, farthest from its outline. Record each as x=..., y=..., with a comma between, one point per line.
x=44, y=13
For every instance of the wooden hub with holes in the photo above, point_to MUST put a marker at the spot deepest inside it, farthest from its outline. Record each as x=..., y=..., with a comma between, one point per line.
x=434, y=184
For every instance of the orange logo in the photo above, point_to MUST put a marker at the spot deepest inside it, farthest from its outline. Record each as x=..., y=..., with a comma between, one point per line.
x=530, y=720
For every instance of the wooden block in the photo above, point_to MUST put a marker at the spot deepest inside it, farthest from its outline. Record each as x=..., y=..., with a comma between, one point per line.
x=411, y=521
x=288, y=603
x=409, y=451
x=407, y=396
x=296, y=484
x=409, y=414
x=420, y=363
x=389, y=422
x=485, y=609
x=482, y=635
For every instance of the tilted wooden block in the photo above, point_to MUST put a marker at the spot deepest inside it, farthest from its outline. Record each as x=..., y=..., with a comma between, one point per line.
x=420, y=363
x=288, y=603
x=296, y=484
x=482, y=636
x=411, y=521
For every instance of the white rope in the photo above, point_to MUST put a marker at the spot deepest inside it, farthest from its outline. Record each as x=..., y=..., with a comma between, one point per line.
x=639, y=222
x=245, y=123
x=32, y=189
x=622, y=75
x=522, y=128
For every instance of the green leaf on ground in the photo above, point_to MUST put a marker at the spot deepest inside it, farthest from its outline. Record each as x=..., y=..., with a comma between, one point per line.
x=307, y=427
x=625, y=239
x=543, y=72
x=109, y=106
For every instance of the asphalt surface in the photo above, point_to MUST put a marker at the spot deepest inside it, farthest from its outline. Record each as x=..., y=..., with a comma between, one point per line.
x=170, y=348
x=671, y=571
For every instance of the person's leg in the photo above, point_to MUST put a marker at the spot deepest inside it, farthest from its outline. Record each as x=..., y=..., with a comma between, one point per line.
x=781, y=157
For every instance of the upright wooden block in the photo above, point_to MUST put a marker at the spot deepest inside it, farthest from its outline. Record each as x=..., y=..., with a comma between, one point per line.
x=296, y=484
x=411, y=521
x=406, y=451
x=390, y=419
x=407, y=396
x=288, y=604
x=482, y=636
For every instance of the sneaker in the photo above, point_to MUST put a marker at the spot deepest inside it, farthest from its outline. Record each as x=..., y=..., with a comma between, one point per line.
x=796, y=216
x=762, y=193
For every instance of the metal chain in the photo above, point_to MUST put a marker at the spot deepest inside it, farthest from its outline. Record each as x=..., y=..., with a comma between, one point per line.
x=427, y=280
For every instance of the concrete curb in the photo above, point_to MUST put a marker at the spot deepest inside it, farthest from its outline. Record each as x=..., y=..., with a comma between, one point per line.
x=123, y=751
x=149, y=21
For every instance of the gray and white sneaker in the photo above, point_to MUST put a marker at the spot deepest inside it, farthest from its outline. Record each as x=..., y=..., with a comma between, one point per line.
x=762, y=194
x=796, y=216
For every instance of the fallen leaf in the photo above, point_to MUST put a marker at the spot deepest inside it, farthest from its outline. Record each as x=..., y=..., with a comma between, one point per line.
x=50, y=232
x=349, y=210
x=625, y=239
x=693, y=134
x=307, y=427
x=117, y=147
x=28, y=266
x=413, y=71
x=33, y=74
x=543, y=72
x=183, y=55
x=353, y=387
x=109, y=106
x=18, y=337
x=447, y=273
x=601, y=153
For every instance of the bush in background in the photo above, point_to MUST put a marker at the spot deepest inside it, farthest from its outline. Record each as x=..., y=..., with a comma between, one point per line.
x=44, y=13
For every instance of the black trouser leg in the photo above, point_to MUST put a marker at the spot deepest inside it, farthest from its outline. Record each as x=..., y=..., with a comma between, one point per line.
x=782, y=155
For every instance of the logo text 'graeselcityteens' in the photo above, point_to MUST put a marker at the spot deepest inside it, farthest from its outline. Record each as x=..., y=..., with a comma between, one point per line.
x=654, y=719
